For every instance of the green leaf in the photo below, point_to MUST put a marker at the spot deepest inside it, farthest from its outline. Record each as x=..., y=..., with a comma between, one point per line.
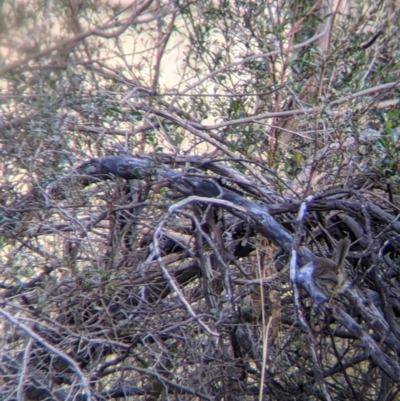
x=297, y=156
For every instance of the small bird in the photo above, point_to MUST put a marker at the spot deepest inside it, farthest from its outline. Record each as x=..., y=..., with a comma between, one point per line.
x=324, y=277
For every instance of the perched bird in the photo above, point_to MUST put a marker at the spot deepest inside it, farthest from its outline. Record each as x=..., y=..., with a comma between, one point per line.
x=324, y=277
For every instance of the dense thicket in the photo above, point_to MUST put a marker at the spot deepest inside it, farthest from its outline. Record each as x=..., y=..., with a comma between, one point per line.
x=166, y=170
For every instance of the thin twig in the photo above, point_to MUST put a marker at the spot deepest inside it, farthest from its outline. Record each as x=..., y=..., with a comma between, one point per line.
x=51, y=348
